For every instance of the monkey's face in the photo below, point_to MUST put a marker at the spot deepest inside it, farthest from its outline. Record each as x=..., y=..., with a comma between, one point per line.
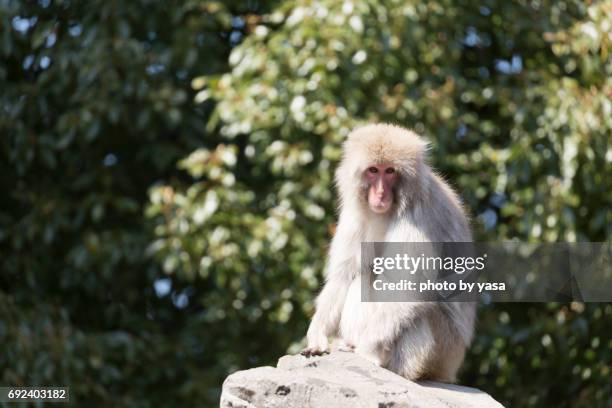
x=381, y=180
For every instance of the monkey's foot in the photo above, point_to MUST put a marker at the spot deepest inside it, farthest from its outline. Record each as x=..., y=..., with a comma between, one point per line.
x=345, y=346
x=369, y=355
x=313, y=351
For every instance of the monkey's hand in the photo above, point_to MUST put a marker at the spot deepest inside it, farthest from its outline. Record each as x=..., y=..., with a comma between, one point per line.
x=312, y=351
x=317, y=342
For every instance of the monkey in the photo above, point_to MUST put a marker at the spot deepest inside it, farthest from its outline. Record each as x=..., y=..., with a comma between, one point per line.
x=388, y=192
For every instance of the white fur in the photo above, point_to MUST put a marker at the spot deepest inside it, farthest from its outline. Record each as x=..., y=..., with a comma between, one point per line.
x=423, y=340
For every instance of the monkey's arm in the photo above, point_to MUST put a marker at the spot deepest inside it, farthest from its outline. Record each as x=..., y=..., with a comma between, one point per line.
x=340, y=271
x=327, y=316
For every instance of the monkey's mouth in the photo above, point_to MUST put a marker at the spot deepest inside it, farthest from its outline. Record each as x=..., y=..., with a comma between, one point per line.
x=380, y=204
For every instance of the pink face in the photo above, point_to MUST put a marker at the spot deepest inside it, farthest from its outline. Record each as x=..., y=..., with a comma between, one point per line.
x=381, y=179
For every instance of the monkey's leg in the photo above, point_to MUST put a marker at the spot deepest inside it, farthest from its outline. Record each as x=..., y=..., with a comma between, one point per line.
x=373, y=347
x=371, y=355
x=413, y=351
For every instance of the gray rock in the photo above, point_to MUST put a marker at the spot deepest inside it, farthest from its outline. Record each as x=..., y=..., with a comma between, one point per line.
x=340, y=380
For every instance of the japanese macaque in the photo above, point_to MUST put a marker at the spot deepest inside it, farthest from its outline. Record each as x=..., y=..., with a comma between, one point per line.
x=389, y=193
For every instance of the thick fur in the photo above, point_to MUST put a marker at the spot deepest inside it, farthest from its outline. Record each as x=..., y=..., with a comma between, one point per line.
x=425, y=340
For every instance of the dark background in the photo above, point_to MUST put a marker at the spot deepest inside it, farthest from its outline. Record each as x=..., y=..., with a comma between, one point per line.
x=166, y=170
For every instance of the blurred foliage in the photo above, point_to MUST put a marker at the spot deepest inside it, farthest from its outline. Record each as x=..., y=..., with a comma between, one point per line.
x=96, y=105
x=168, y=171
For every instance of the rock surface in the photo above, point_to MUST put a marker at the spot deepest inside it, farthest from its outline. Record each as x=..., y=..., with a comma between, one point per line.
x=340, y=380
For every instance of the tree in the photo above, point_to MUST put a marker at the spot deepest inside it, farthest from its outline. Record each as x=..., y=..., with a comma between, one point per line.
x=514, y=98
x=96, y=106
x=139, y=282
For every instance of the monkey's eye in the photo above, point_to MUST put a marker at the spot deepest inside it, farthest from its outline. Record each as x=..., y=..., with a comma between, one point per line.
x=373, y=170
x=390, y=170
